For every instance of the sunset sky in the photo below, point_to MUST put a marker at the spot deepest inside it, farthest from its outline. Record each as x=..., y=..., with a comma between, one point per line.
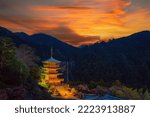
x=76, y=21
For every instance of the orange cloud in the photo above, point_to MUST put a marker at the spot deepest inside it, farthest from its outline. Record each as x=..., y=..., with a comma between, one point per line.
x=82, y=21
x=71, y=37
x=88, y=18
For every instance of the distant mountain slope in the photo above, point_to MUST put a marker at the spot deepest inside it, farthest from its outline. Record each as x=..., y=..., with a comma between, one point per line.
x=138, y=42
x=42, y=44
x=7, y=33
x=126, y=59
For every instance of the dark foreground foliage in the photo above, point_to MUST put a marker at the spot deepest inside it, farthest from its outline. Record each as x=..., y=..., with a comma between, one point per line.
x=18, y=74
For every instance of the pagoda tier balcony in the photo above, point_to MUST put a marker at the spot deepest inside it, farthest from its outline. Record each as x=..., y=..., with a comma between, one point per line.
x=55, y=72
x=55, y=81
x=52, y=70
x=50, y=63
x=55, y=67
x=49, y=77
x=52, y=74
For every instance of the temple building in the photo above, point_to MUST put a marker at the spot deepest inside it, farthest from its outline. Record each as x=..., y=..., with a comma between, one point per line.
x=52, y=71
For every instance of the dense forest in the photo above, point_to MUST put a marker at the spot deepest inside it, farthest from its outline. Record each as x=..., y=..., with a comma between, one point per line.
x=126, y=60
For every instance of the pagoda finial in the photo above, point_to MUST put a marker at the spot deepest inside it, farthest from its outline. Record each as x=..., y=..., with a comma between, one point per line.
x=51, y=52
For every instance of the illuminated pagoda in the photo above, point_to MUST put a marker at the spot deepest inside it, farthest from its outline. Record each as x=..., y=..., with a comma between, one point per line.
x=51, y=71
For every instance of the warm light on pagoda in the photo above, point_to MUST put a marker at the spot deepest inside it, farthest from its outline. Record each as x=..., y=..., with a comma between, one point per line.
x=51, y=72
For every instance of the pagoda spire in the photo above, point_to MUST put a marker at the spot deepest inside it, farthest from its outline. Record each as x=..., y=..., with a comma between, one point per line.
x=51, y=52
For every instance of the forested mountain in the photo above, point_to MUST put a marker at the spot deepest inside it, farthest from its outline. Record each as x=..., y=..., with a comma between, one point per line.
x=7, y=33
x=126, y=59
x=42, y=44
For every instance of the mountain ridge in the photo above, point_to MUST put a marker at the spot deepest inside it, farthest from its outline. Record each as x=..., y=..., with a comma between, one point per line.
x=22, y=35
x=42, y=47
x=126, y=59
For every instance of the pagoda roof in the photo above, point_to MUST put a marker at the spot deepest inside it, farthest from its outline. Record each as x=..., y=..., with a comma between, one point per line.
x=52, y=60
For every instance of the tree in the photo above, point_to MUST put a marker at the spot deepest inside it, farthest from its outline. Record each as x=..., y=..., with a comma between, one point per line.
x=131, y=93
x=92, y=85
x=117, y=83
x=12, y=71
x=102, y=82
x=27, y=56
x=146, y=95
x=7, y=52
x=119, y=93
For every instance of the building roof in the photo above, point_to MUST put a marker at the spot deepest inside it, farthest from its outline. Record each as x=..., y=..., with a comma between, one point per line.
x=52, y=60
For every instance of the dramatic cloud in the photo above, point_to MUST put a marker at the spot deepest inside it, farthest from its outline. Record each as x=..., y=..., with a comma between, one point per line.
x=76, y=21
x=69, y=36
